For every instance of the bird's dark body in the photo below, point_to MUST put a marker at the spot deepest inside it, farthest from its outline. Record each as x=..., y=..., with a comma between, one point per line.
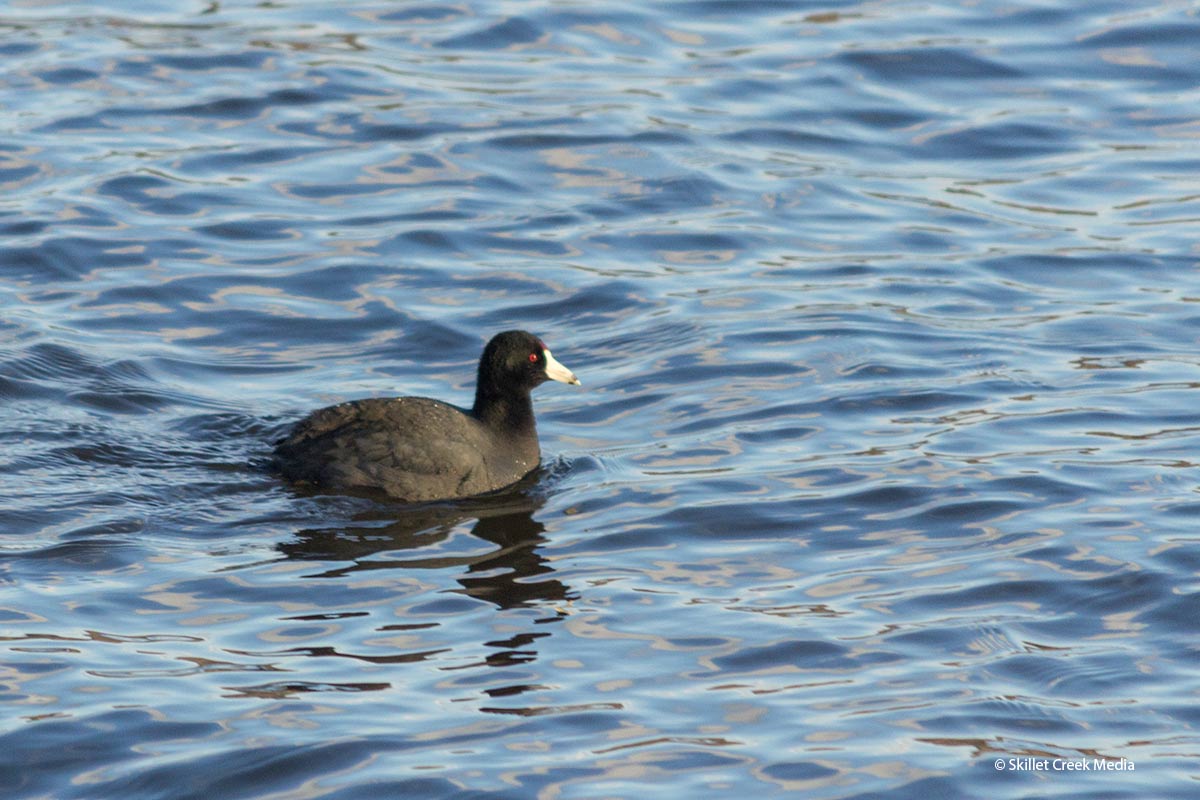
x=419, y=449
x=411, y=448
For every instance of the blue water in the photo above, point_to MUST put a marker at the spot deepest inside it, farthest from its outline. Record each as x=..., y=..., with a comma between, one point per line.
x=882, y=474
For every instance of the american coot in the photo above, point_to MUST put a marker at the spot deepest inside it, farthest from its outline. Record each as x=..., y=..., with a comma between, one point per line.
x=416, y=448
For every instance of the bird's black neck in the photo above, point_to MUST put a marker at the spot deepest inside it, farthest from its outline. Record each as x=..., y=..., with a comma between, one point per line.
x=505, y=411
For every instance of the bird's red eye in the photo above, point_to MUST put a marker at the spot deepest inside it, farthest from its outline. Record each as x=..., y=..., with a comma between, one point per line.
x=533, y=357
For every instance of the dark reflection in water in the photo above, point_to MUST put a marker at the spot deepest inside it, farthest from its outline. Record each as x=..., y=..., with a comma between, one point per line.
x=389, y=537
x=506, y=576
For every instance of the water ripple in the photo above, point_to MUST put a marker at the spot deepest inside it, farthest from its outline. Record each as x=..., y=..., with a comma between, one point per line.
x=881, y=468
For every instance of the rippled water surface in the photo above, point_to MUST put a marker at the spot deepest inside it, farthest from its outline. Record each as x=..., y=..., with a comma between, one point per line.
x=881, y=474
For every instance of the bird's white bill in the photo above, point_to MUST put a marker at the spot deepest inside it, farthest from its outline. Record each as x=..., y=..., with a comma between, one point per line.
x=557, y=372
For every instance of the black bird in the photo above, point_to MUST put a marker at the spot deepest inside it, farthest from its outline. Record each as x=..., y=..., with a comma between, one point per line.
x=417, y=448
